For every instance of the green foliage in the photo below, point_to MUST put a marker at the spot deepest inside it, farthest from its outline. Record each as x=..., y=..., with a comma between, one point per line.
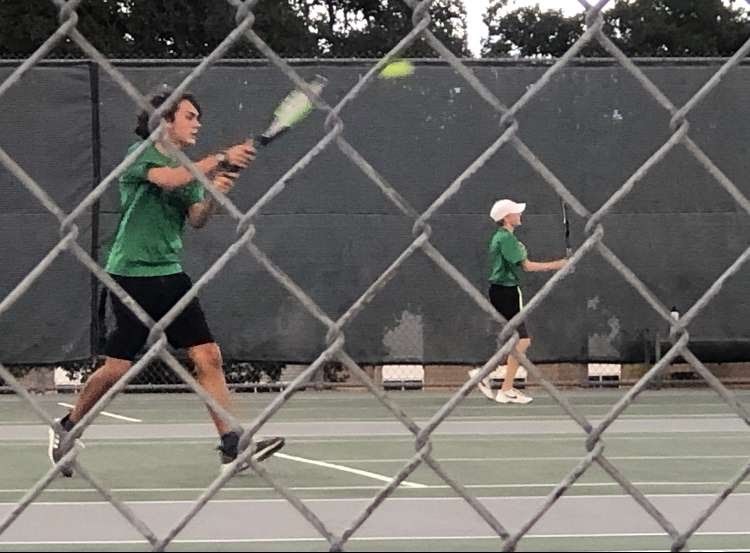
x=194, y=28
x=244, y=372
x=26, y=24
x=678, y=27
x=334, y=371
x=370, y=28
x=640, y=28
x=530, y=32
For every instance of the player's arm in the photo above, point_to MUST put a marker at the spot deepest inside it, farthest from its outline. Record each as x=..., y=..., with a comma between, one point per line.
x=200, y=212
x=541, y=266
x=515, y=253
x=171, y=178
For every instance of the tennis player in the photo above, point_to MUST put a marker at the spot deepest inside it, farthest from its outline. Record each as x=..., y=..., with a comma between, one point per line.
x=157, y=196
x=508, y=259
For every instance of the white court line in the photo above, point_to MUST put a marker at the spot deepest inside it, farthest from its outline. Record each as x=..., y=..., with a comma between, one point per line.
x=570, y=437
x=489, y=418
x=106, y=414
x=365, y=499
x=385, y=538
x=194, y=490
x=390, y=438
x=405, y=483
x=543, y=459
x=456, y=419
x=578, y=485
x=128, y=443
x=487, y=406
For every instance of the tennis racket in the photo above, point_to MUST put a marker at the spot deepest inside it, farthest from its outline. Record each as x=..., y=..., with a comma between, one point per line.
x=295, y=107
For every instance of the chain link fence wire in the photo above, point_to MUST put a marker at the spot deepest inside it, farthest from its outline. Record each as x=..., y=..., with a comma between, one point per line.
x=336, y=352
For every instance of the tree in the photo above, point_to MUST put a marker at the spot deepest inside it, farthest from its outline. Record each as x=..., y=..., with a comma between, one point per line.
x=26, y=24
x=194, y=28
x=677, y=27
x=529, y=31
x=655, y=28
x=370, y=28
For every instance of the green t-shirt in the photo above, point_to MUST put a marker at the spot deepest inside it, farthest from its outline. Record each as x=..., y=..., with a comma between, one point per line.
x=148, y=241
x=506, y=255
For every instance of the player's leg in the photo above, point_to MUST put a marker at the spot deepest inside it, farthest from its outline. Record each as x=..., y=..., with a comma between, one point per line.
x=508, y=301
x=96, y=386
x=210, y=374
x=123, y=344
x=507, y=393
x=190, y=331
x=513, y=364
x=497, y=296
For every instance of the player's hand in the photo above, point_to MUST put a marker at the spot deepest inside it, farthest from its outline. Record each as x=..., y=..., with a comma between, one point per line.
x=241, y=155
x=224, y=181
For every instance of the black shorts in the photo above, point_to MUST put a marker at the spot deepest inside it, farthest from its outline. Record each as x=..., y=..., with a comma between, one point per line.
x=156, y=295
x=507, y=301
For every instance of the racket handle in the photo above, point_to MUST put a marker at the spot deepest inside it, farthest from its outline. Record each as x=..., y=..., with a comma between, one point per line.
x=227, y=167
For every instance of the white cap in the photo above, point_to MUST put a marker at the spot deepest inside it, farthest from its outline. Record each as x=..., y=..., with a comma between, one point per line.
x=501, y=208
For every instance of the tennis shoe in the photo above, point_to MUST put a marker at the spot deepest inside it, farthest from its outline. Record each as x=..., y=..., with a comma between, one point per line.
x=483, y=385
x=229, y=450
x=512, y=396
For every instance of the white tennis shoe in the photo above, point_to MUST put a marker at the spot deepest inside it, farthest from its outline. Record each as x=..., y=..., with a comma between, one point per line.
x=483, y=385
x=512, y=396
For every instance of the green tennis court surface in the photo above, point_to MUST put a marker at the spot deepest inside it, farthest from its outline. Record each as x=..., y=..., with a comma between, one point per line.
x=678, y=446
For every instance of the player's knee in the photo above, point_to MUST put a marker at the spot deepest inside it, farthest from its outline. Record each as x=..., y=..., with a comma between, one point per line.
x=207, y=356
x=112, y=370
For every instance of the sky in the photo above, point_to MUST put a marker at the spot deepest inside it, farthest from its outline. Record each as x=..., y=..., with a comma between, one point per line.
x=475, y=10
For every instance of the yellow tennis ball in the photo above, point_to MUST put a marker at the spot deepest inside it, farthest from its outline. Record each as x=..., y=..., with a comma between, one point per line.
x=397, y=69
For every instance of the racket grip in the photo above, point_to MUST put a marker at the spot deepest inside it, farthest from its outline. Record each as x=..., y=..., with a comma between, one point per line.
x=226, y=167
x=263, y=140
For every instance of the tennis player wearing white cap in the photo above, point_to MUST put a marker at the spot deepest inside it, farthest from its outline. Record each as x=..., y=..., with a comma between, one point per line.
x=507, y=259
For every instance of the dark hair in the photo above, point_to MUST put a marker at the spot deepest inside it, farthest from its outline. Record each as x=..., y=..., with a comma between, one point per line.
x=156, y=101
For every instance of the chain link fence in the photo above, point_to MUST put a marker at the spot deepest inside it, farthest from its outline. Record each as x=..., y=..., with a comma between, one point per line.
x=336, y=350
